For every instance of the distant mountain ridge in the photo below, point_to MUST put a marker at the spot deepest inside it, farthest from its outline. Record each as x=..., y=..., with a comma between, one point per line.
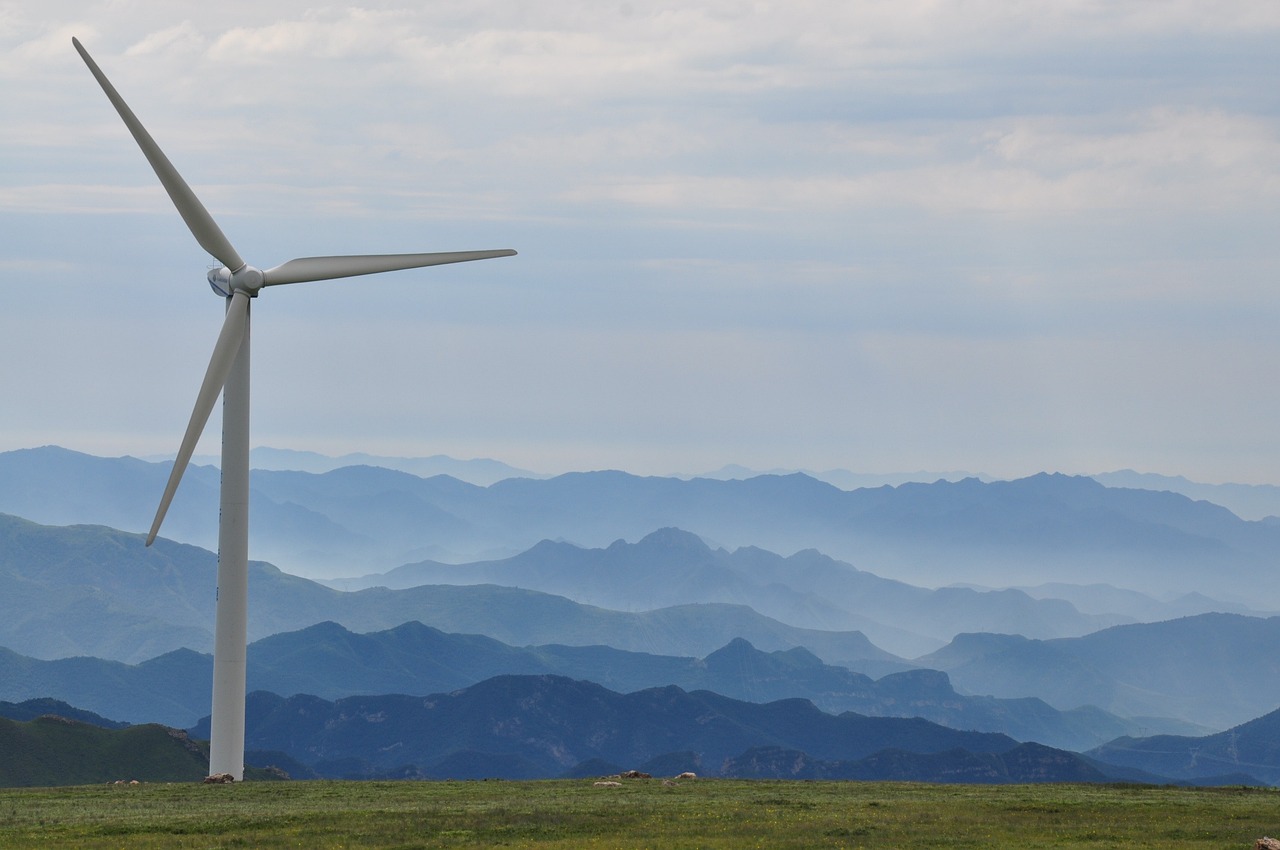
x=363, y=519
x=479, y=471
x=1252, y=748
x=98, y=592
x=88, y=590
x=1248, y=501
x=670, y=567
x=1216, y=669
x=523, y=727
x=84, y=590
x=331, y=662
x=843, y=478
x=526, y=727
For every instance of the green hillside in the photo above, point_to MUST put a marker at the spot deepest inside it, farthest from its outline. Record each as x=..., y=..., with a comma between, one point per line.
x=52, y=750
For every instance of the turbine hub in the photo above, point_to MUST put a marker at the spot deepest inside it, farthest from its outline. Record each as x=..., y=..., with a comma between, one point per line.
x=225, y=282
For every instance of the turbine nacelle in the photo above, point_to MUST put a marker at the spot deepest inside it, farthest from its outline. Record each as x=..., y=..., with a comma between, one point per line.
x=226, y=283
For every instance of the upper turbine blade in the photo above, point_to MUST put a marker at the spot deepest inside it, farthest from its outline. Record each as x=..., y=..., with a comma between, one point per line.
x=327, y=268
x=199, y=222
x=224, y=357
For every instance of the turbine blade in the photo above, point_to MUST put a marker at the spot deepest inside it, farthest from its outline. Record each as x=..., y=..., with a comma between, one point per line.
x=199, y=222
x=224, y=356
x=306, y=269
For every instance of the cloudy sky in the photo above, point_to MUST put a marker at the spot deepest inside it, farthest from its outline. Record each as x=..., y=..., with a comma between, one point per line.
x=984, y=235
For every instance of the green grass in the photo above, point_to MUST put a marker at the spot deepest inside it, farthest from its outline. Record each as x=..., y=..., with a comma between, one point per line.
x=643, y=813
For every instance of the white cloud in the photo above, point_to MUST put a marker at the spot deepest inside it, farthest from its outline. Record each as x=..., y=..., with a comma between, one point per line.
x=182, y=40
x=742, y=208
x=80, y=198
x=1190, y=140
x=353, y=33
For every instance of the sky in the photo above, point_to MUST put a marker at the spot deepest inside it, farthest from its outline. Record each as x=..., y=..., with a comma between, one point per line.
x=1001, y=236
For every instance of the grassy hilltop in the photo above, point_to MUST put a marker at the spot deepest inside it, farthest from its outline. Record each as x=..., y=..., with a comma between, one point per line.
x=639, y=814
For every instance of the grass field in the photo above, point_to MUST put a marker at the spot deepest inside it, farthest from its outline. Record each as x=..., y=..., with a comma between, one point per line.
x=642, y=813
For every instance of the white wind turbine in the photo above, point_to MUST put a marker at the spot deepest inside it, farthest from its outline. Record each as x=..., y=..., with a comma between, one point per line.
x=228, y=373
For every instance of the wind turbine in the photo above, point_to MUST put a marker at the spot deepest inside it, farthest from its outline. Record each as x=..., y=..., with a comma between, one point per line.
x=228, y=374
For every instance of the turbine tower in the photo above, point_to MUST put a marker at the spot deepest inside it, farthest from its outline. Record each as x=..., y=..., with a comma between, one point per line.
x=228, y=374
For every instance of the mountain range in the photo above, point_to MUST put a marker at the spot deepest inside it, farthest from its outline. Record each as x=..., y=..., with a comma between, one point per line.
x=524, y=727
x=480, y=471
x=1216, y=669
x=331, y=662
x=539, y=726
x=88, y=591
x=672, y=567
x=358, y=520
x=1249, y=501
x=1252, y=747
x=1138, y=641
x=527, y=727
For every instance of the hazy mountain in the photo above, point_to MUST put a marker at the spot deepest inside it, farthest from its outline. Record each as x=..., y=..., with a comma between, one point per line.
x=1106, y=599
x=529, y=727
x=1252, y=748
x=95, y=591
x=1250, y=501
x=357, y=520
x=740, y=671
x=547, y=725
x=87, y=590
x=173, y=689
x=843, y=478
x=481, y=471
x=59, y=487
x=1217, y=670
x=670, y=567
x=331, y=662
